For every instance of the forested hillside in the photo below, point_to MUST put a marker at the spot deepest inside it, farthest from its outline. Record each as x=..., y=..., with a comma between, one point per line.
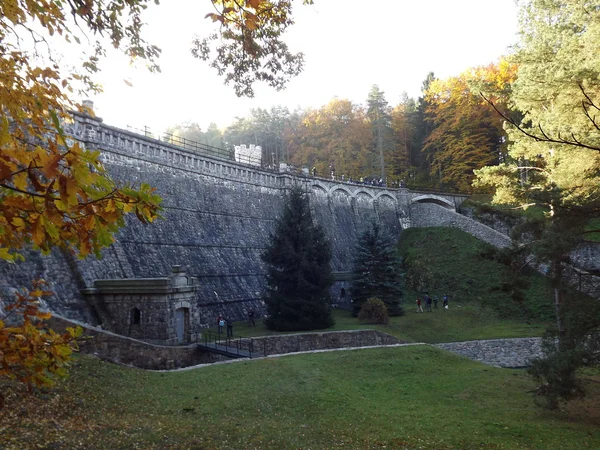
x=435, y=141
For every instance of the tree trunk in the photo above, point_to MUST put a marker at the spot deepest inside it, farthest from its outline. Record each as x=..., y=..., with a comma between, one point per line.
x=557, y=273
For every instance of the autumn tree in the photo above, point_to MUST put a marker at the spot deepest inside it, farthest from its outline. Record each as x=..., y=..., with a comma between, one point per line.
x=336, y=134
x=298, y=270
x=466, y=133
x=554, y=158
x=403, y=124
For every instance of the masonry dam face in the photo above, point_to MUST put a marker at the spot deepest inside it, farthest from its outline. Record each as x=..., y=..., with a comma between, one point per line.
x=218, y=215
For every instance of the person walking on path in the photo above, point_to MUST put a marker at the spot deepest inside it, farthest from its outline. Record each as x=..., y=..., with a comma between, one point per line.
x=229, y=323
x=419, y=308
x=445, y=301
x=251, y=318
x=428, y=303
x=435, y=302
x=220, y=324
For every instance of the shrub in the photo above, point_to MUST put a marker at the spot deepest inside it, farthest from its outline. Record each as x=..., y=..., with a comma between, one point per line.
x=374, y=311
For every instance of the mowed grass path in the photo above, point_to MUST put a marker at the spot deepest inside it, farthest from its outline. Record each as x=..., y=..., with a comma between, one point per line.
x=407, y=397
x=459, y=323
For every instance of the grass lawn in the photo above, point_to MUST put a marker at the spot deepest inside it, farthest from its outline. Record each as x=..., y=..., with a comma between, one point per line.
x=460, y=323
x=406, y=398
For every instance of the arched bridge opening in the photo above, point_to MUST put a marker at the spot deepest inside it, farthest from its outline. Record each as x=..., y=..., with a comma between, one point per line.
x=436, y=199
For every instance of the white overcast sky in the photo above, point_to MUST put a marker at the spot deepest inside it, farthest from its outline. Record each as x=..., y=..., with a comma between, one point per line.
x=349, y=45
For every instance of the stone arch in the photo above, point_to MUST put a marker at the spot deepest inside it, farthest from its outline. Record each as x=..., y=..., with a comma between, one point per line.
x=341, y=188
x=364, y=191
x=431, y=198
x=387, y=195
x=319, y=189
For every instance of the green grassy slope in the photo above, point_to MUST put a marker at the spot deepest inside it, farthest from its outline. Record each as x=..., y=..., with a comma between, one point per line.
x=460, y=323
x=406, y=398
x=459, y=267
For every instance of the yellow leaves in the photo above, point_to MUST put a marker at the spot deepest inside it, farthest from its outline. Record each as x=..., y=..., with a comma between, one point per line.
x=30, y=352
x=6, y=255
x=18, y=223
x=38, y=233
x=11, y=10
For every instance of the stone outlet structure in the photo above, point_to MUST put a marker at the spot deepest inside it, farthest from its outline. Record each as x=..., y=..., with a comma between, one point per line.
x=156, y=310
x=218, y=215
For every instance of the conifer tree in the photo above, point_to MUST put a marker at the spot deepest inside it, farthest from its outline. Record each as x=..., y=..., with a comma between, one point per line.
x=298, y=270
x=375, y=272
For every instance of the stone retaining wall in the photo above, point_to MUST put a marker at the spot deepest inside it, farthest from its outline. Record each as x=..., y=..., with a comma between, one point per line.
x=302, y=342
x=123, y=350
x=432, y=215
x=510, y=353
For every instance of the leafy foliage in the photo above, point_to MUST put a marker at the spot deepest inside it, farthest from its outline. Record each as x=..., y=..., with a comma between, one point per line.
x=54, y=192
x=374, y=311
x=298, y=270
x=249, y=46
x=376, y=271
x=467, y=134
x=336, y=134
x=30, y=352
x=555, y=155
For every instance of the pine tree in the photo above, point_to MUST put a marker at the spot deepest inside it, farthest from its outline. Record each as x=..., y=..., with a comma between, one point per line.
x=376, y=272
x=553, y=163
x=298, y=270
x=378, y=113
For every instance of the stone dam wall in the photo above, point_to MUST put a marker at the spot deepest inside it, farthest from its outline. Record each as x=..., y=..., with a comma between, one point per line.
x=218, y=215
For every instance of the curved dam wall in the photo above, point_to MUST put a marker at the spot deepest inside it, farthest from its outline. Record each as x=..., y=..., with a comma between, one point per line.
x=218, y=215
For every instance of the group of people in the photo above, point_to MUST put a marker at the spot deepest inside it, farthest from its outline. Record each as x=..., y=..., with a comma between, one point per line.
x=226, y=321
x=369, y=181
x=431, y=301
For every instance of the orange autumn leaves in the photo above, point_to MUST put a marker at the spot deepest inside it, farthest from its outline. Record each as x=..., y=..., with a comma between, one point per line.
x=30, y=352
x=53, y=191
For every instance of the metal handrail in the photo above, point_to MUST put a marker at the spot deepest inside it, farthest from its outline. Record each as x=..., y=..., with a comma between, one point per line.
x=209, y=338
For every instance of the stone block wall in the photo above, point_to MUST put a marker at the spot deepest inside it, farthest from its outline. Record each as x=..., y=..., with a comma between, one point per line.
x=124, y=350
x=302, y=342
x=432, y=215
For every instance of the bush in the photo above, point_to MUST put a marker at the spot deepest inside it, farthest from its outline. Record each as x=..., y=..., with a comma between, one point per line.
x=374, y=311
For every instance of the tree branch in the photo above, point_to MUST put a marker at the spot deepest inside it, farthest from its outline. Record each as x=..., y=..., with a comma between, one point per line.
x=544, y=137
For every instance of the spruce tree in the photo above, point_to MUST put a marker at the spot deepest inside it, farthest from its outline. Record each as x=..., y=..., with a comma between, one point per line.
x=375, y=272
x=298, y=270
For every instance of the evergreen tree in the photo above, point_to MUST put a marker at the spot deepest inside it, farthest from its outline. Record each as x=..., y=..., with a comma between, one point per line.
x=376, y=272
x=378, y=113
x=554, y=159
x=298, y=270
